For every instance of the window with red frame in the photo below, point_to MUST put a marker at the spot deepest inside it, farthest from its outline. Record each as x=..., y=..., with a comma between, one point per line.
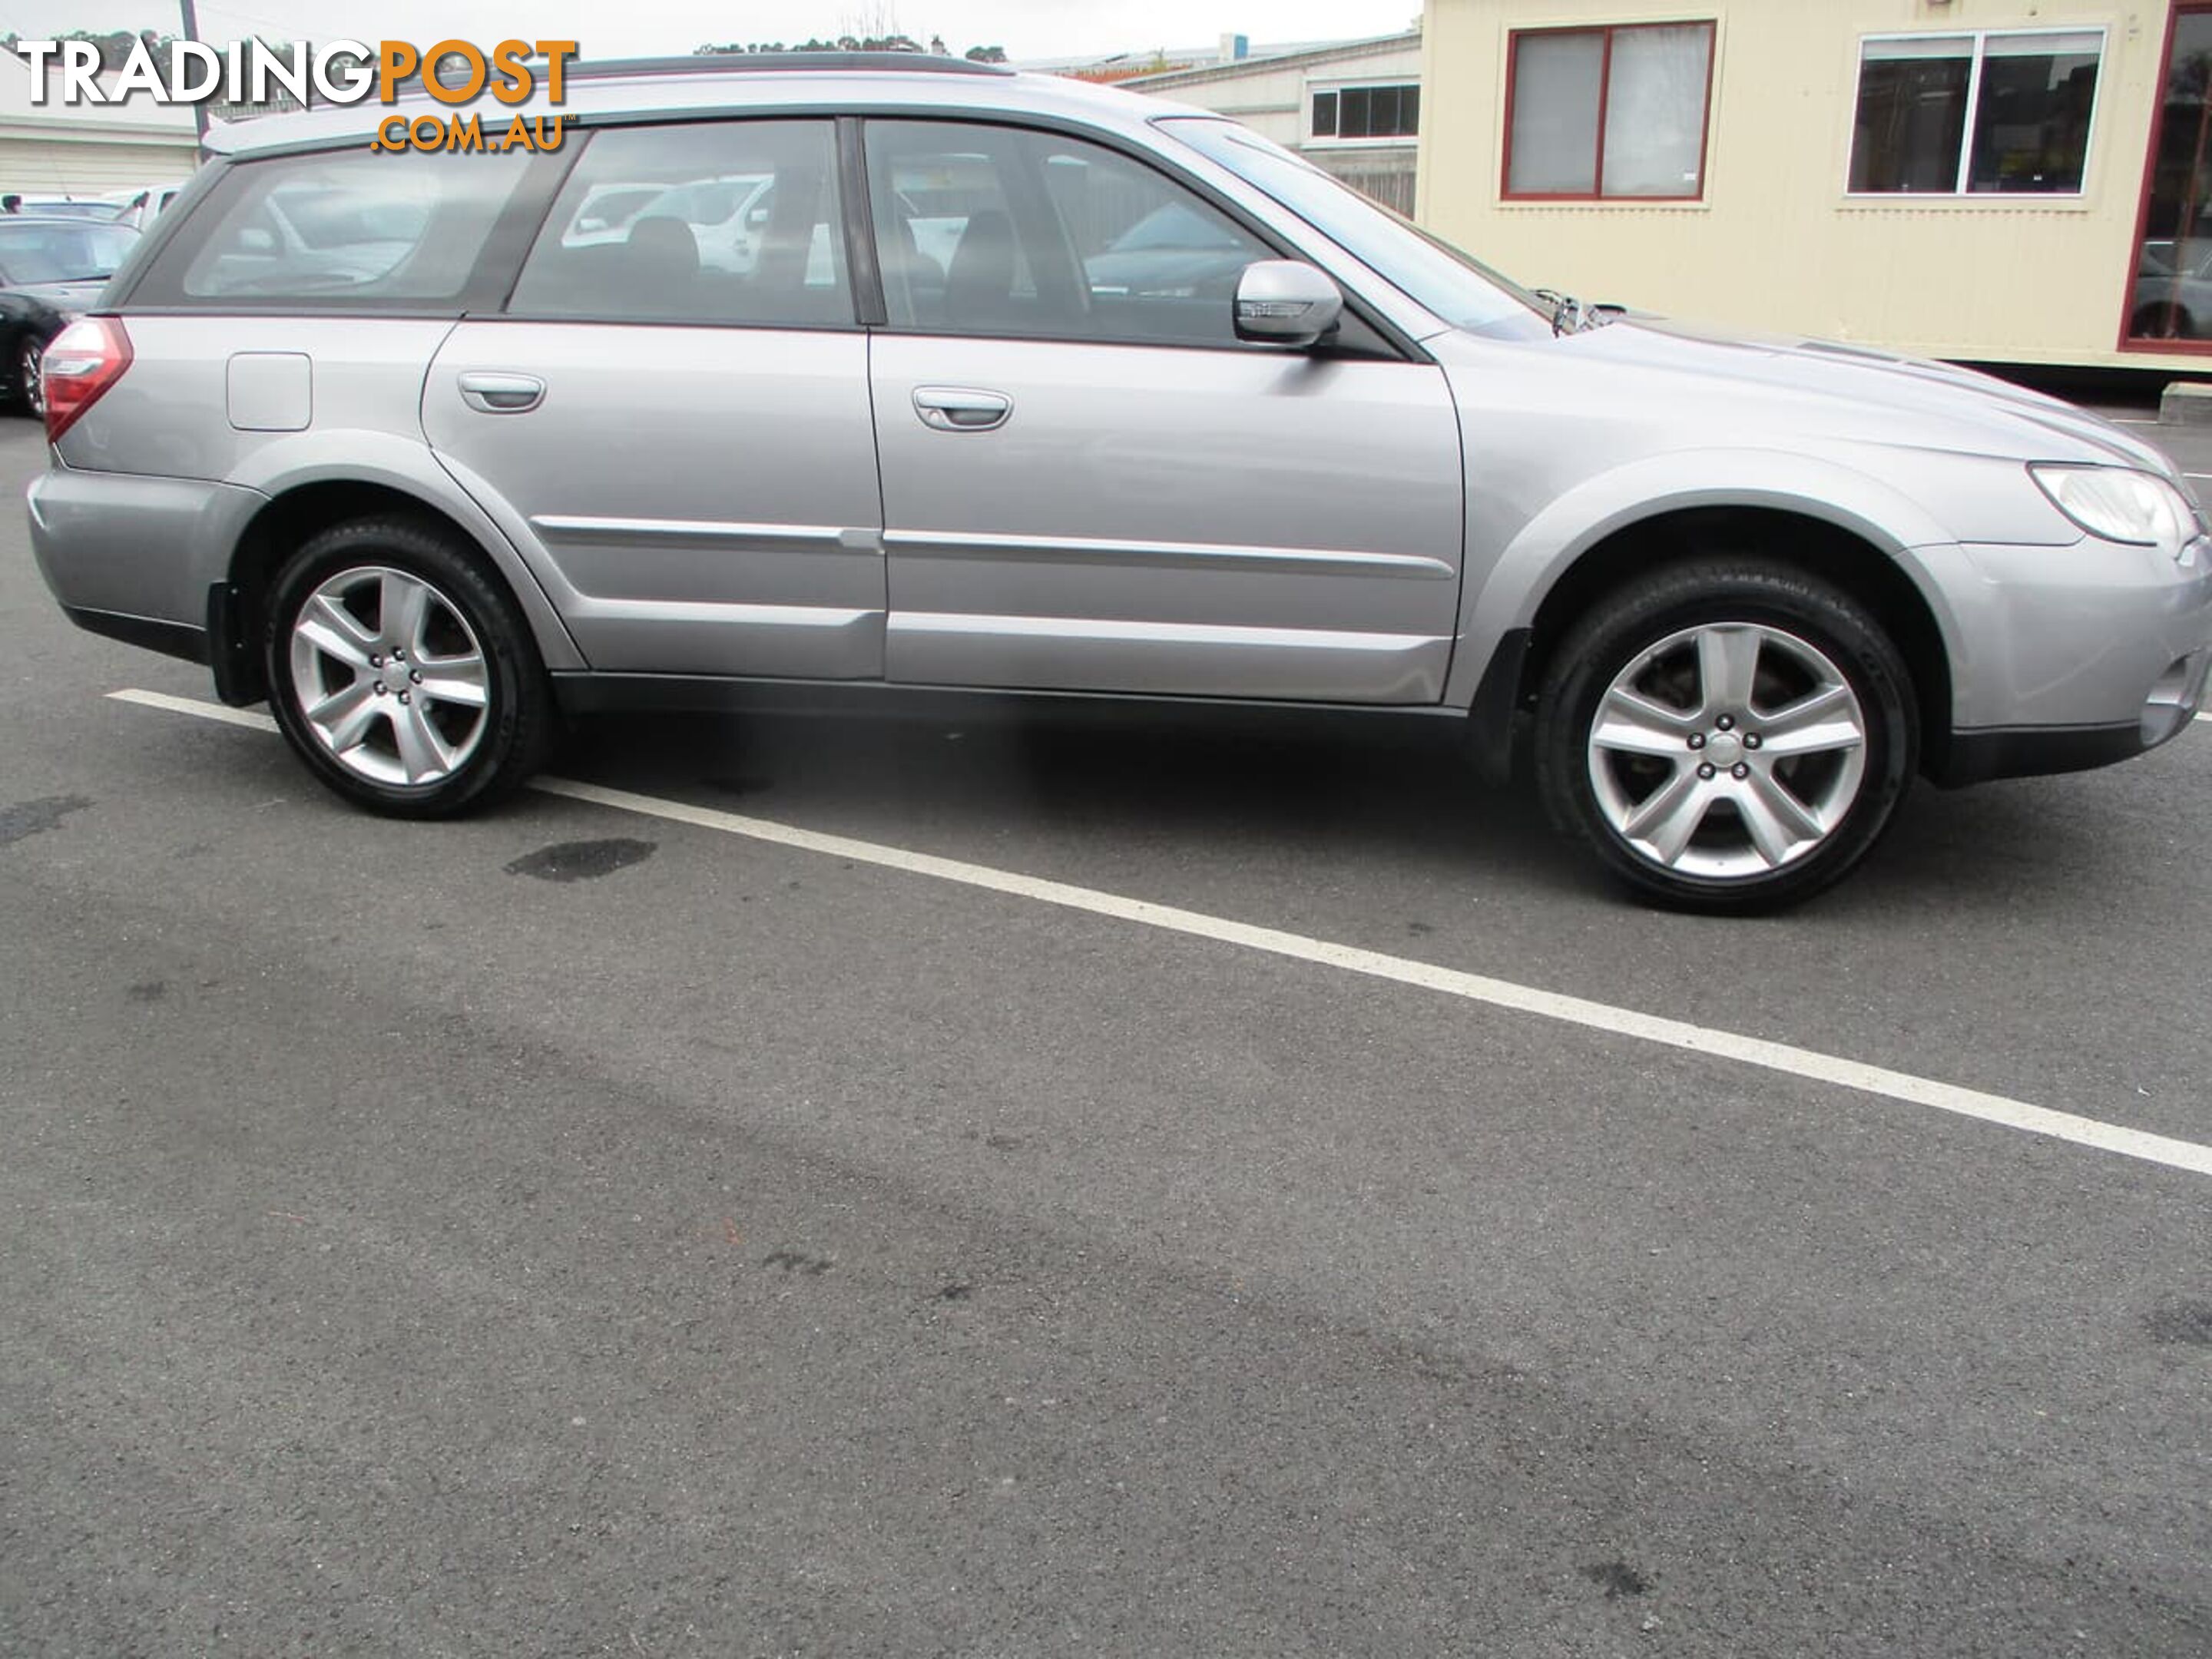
x=1601, y=113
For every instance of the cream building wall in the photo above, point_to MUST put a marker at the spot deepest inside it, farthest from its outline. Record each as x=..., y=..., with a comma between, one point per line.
x=1776, y=243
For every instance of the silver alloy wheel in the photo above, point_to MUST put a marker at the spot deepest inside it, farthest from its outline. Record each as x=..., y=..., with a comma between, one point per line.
x=1728, y=750
x=389, y=677
x=31, y=377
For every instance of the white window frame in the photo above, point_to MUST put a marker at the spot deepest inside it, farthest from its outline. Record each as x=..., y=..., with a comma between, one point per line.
x=1316, y=85
x=1979, y=39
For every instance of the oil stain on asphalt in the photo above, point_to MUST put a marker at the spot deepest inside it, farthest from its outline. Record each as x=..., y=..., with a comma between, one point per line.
x=582, y=860
x=32, y=817
x=1616, y=1579
x=2186, y=1323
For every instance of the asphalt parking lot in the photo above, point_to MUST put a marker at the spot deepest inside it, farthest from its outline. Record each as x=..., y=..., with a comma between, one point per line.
x=590, y=1230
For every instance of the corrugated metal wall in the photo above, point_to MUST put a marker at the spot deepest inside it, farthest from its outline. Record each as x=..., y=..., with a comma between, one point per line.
x=40, y=167
x=1386, y=175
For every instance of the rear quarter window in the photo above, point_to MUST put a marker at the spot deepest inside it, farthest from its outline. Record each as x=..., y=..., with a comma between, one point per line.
x=407, y=231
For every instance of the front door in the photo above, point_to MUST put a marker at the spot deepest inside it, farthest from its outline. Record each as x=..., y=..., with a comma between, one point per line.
x=677, y=426
x=1091, y=484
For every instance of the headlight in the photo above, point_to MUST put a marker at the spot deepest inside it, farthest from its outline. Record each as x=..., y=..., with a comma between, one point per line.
x=2139, y=508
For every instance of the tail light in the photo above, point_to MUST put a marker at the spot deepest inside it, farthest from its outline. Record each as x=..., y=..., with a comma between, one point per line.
x=82, y=362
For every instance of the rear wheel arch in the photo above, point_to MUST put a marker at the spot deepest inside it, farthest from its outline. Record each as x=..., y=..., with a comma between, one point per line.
x=293, y=517
x=1861, y=567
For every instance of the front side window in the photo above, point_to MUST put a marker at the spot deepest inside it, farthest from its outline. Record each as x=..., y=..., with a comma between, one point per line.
x=1349, y=113
x=338, y=229
x=717, y=222
x=1001, y=231
x=1975, y=114
x=1599, y=113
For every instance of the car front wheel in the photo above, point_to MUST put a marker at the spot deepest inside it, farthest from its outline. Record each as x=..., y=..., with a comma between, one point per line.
x=403, y=674
x=1728, y=735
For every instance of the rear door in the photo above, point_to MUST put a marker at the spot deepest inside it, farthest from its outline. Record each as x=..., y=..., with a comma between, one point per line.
x=684, y=435
x=1090, y=483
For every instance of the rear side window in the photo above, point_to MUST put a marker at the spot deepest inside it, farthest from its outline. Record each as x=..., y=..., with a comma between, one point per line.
x=335, y=230
x=734, y=222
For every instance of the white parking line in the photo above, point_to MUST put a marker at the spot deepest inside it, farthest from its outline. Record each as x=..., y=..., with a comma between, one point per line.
x=1374, y=964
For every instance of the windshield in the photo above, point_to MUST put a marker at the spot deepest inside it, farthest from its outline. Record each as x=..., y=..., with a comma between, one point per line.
x=1461, y=289
x=61, y=251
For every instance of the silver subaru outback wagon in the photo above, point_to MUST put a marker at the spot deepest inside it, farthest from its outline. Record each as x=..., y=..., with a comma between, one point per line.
x=916, y=374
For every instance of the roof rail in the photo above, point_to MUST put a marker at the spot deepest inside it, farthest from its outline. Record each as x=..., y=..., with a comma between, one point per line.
x=780, y=62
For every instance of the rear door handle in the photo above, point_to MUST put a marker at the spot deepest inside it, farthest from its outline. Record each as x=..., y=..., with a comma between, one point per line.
x=961, y=408
x=502, y=394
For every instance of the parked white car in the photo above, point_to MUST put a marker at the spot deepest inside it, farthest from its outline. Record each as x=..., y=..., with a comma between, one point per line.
x=139, y=208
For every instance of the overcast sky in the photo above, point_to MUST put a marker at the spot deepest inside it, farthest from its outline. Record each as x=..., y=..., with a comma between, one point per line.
x=1027, y=29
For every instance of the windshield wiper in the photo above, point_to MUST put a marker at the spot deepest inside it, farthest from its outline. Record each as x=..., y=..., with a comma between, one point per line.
x=1573, y=316
x=1566, y=311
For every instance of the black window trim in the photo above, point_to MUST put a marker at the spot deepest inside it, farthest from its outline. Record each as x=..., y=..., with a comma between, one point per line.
x=862, y=259
x=1317, y=90
x=176, y=223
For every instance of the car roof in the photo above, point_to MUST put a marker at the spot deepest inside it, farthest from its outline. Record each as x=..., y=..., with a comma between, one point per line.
x=74, y=220
x=713, y=84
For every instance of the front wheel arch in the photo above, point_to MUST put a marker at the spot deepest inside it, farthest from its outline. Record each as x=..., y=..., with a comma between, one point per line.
x=1866, y=572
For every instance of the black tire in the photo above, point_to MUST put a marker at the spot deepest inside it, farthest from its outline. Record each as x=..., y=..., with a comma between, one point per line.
x=509, y=737
x=30, y=379
x=1728, y=593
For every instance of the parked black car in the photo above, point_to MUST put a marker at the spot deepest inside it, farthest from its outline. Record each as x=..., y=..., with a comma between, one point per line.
x=50, y=271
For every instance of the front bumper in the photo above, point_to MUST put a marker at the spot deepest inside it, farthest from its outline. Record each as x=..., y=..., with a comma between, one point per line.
x=2068, y=657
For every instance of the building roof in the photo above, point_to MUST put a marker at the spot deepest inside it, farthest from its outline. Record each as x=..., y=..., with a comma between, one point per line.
x=1327, y=52
x=138, y=121
x=1178, y=60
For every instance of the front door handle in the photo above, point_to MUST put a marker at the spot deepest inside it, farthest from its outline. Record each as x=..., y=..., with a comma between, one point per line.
x=502, y=394
x=961, y=408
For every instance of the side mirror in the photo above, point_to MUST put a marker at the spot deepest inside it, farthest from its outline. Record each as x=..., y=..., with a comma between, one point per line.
x=256, y=240
x=1286, y=303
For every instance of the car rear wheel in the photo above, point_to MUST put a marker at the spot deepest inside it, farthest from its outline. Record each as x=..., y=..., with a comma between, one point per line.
x=31, y=376
x=1728, y=735
x=403, y=674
